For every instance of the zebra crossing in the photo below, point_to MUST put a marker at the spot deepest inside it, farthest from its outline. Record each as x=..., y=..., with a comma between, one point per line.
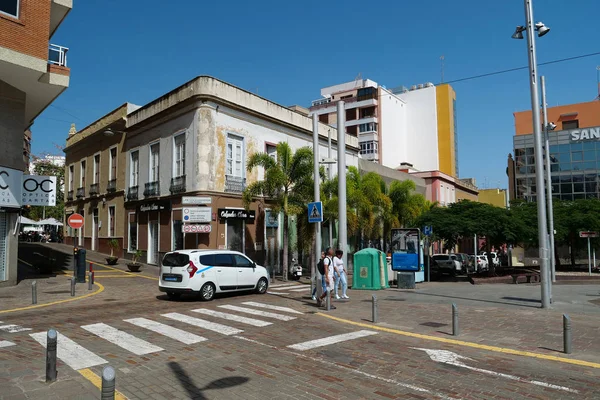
x=78, y=357
x=288, y=288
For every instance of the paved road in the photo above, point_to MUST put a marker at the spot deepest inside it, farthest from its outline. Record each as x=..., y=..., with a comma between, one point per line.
x=280, y=345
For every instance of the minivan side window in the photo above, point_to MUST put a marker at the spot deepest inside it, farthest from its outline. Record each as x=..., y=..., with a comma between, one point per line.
x=208, y=260
x=242, y=261
x=223, y=260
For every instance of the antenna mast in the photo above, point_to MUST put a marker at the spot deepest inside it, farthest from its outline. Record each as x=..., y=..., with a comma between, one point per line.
x=442, y=67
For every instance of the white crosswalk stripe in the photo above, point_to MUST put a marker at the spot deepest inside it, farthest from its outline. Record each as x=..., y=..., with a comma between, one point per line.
x=271, y=307
x=6, y=343
x=166, y=330
x=282, y=285
x=122, y=339
x=232, y=317
x=302, y=289
x=258, y=312
x=13, y=328
x=283, y=289
x=326, y=341
x=204, y=324
x=72, y=354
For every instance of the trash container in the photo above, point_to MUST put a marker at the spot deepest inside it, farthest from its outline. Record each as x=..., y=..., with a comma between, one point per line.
x=370, y=270
x=80, y=266
x=406, y=280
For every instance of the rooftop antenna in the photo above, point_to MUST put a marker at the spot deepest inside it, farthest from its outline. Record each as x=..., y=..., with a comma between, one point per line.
x=442, y=68
x=358, y=79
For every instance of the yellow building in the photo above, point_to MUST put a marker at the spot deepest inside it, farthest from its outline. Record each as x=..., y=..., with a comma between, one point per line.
x=447, y=135
x=495, y=197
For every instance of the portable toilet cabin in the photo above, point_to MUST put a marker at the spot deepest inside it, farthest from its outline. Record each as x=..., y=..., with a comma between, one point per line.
x=370, y=270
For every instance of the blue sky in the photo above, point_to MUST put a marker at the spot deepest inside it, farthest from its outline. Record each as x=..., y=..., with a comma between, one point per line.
x=138, y=50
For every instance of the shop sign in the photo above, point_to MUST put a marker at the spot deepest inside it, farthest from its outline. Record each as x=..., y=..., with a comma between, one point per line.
x=271, y=219
x=225, y=213
x=197, y=214
x=11, y=185
x=39, y=190
x=196, y=228
x=157, y=205
x=196, y=200
x=578, y=135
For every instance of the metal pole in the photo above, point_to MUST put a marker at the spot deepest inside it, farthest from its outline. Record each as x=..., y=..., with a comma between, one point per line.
x=317, y=195
x=328, y=298
x=567, y=334
x=72, y=286
x=428, y=262
x=589, y=257
x=90, y=283
x=341, y=148
x=34, y=292
x=539, y=158
x=374, y=317
x=594, y=257
x=51, y=340
x=108, y=383
x=475, y=252
x=455, y=328
x=329, y=176
x=552, y=253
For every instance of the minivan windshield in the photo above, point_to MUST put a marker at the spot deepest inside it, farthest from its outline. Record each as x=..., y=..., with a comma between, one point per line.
x=176, y=260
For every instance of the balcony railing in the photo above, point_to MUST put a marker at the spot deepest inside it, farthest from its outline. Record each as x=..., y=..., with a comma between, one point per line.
x=177, y=184
x=80, y=192
x=70, y=195
x=152, y=189
x=111, y=187
x=94, y=189
x=57, y=55
x=132, y=193
x=234, y=184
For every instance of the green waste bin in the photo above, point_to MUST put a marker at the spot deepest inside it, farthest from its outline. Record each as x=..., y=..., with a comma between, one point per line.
x=370, y=270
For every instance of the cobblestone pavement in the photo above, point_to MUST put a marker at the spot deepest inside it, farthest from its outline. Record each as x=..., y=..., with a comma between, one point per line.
x=280, y=345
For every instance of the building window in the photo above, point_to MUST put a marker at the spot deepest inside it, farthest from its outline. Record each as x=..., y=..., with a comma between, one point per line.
x=179, y=155
x=134, y=168
x=154, y=162
x=572, y=124
x=235, y=156
x=111, y=221
x=367, y=112
x=71, y=173
x=369, y=147
x=96, y=167
x=177, y=235
x=113, y=164
x=324, y=118
x=368, y=127
x=10, y=7
x=82, y=174
x=132, y=230
x=271, y=150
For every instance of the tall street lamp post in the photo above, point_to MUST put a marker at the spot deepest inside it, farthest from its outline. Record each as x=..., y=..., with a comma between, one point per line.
x=541, y=29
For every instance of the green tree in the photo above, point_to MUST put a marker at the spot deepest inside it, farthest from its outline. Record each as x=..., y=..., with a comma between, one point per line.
x=287, y=185
x=47, y=168
x=571, y=217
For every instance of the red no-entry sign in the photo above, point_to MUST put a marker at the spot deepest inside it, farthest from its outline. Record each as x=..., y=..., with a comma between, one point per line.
x=75, y=221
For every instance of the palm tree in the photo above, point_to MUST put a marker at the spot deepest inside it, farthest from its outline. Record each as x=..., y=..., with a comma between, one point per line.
x=287, y=185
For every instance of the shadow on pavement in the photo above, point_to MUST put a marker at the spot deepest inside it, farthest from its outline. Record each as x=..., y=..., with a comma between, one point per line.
x=41, y=261
x=470, y=299
x=548, y=348
x=194, y=392
x=522, y=299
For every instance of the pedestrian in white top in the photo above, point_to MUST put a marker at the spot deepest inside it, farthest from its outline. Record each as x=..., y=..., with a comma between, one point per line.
x=328, y=277
x=340, y=274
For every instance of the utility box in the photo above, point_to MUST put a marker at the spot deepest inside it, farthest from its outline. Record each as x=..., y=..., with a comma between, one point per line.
x=80, y=265
x=406, y=280
x=370, y=270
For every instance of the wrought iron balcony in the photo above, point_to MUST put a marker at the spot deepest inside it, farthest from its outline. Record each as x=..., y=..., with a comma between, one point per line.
x=70, y=195
x=234, y=184
x=112, y=186
x=177, y=184
x=94, y=189
x=152, y=189
x=80, y=192
x=132, y=193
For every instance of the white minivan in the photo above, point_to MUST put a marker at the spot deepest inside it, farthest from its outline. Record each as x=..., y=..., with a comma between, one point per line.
x=208, y=272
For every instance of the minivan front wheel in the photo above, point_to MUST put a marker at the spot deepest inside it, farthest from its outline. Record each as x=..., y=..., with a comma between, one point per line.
x=207, y=292
x=261, y=286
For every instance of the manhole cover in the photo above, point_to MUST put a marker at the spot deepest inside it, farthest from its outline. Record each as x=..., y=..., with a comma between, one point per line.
x=58, y=292
x=433, y=324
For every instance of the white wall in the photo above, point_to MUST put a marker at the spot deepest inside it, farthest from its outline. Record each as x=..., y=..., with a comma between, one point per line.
x=392, y=126
x=421, y=128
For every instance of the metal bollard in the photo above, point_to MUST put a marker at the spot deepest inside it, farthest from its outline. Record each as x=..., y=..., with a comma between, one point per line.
x=455, y=328
x=92, y=272
x=51, y=355
x=108, y=383
x=73, y=286
x=34, y=292
x=328, y=300
x=567, y=334
x=374, y=308
x=90, y=280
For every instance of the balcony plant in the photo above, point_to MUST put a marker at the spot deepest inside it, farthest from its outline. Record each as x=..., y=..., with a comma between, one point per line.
x=114, y=245
x=134, y=265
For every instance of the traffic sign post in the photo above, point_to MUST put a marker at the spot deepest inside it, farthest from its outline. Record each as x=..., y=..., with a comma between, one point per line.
x=75, y=221
x=589, y=235
x=315, y=212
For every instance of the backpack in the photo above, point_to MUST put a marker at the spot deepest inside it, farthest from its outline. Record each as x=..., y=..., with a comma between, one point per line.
x=321, y=265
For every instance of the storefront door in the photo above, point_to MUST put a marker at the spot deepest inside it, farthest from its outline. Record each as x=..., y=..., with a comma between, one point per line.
x=235, y=235
x=95, y=230
x=153, y=242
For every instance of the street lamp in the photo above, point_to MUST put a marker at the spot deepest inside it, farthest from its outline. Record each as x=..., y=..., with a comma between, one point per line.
x=541, y=29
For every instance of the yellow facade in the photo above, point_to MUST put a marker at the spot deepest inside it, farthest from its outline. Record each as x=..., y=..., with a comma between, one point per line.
x=495, y=197
x=445, y=99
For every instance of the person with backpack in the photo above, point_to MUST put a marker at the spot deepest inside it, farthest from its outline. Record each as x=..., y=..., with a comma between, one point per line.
x=327, y=273
x=320, y=267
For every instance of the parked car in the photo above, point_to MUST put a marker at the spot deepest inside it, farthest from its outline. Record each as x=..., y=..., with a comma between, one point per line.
x=447, y=264
x=467, y=264
x=495, y=258
x=209, y=272
x=482, y=263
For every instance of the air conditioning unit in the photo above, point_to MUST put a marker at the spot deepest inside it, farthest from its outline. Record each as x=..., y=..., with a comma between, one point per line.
x=413, y=87
x=429, y=84
x=420, y=86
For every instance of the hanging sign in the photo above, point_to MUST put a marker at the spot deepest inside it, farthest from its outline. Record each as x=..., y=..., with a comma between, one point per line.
x=196, y=228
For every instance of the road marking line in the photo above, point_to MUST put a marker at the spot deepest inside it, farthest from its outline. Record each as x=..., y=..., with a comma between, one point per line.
x=100, y=289
x=13, y=328
x=112, y=276
x=282, y=289
x=302, y=289
x=124, y=272
x=258, y=312
x=468, y=344
x=122, y=339
x=282, y=285
x=326, y=341
x=97, y=381
x=71, y=353
x=271, y=307
x=204, y=324
x=232, y=317
x=5, y=343
x=269, y=292
x=166, y=330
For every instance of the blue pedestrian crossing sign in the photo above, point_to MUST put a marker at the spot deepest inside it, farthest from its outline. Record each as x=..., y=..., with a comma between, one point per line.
x=315, y=212
x=427, y=230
